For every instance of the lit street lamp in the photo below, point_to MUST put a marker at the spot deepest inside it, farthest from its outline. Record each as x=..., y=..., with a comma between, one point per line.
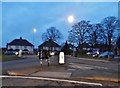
x=34, y=31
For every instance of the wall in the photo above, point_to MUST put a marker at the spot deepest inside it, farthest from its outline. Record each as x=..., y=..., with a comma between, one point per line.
x=30, y=48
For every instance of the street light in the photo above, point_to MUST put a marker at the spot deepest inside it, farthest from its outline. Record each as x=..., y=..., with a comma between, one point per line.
x=71, y=20
x=34, y=31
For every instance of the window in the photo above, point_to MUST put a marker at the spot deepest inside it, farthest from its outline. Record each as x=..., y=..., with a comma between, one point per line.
x=53, y=48
x=9, y=47
x=44, y=48
x=31, y=47
x=47, y=48
x=17, y=47
x=25, y=47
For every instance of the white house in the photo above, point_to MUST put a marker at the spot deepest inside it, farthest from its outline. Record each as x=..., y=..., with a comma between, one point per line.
x=49, y=45
x=20, y=44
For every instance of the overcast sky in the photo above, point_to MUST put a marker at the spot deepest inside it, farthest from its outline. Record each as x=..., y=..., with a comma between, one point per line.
x=19, y=19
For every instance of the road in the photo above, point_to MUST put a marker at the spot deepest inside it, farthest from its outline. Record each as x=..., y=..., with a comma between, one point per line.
x=77, y=66
x=110, y=65
x=31, y=61
x=27, y=61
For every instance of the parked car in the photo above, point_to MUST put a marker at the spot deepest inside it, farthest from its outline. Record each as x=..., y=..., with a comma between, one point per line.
x=95, y=55
x=107, y=54
x=89, y=53
x=11, y=53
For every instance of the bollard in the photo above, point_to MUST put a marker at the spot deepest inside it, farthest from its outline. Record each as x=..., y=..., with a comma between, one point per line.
x=61, y=58
x=20, y=53
x=41, y=62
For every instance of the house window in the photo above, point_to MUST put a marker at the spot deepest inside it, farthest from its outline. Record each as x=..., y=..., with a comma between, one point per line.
x=17, y=47
x=31, y=47
x=44, y=48
x=47, y=48
x=9, y=47
x=53, y=48
x=25, y=47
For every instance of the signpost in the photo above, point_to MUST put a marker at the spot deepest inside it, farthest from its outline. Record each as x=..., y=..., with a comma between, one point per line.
x=61, y=58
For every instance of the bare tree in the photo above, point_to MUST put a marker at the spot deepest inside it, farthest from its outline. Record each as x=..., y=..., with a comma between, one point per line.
x=110, y=25
x=79, y=32
x=97, y=34
x=118, y=42
x=52, y=34
x=72, y=37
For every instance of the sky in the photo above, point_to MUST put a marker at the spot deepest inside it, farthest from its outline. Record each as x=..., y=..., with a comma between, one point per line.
x=20, y=18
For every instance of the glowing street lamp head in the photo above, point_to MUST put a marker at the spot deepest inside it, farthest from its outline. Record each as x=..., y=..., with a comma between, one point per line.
x=34, y=30
x=70, y=19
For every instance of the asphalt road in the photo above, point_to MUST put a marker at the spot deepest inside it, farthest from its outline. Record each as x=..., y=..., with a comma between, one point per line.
x=110, y=65
x=33, y=61
x=78, y=67
x=24, y=62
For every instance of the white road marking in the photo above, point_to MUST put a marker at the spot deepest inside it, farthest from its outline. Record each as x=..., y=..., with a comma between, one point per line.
x=84, y=66
x=52, y=79
x=94, y=60
x=80, y=66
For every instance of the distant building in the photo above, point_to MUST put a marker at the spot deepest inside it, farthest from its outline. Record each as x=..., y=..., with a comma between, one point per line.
x=20, y=44
x=49, y=45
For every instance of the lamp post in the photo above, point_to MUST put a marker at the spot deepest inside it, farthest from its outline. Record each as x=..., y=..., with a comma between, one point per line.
x=34, y=31
x=71, y=20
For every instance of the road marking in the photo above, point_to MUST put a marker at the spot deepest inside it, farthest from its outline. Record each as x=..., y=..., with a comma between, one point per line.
x=52, y=79
x=71, y=69
x=94, y=60
x=84, y=66
x=80, y=66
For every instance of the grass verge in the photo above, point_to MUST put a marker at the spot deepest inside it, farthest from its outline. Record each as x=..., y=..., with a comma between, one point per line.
x=8, y=57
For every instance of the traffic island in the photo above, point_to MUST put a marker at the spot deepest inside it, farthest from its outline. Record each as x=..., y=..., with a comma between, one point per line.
x=37, y=69
x=52, y=74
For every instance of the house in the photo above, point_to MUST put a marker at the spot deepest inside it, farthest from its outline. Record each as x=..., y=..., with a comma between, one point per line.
x=20, y=44
x=49, y=45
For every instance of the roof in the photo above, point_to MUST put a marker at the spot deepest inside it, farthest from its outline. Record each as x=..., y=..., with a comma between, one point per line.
x=49, y=43
x=21, y=42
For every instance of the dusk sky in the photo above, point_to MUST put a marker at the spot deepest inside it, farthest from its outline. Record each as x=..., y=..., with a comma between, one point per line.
x=19, y=19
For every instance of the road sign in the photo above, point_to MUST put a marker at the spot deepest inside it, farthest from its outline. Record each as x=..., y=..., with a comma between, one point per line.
x=61, y=58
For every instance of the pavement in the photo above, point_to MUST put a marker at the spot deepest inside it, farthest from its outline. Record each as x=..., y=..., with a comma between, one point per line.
x=68, y=71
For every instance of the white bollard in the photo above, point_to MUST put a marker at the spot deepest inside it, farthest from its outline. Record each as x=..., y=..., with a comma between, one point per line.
x=20, y=53
x=41, y=62
x=61, y=58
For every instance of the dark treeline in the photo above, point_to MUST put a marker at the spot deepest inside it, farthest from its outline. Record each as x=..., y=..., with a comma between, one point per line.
x=106, y=32
x=103, y=34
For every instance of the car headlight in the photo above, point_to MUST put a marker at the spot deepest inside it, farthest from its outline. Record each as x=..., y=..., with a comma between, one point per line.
x=52, y=53
x=16, y=53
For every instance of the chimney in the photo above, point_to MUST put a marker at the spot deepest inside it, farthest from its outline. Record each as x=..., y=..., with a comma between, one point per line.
x=20, y=38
